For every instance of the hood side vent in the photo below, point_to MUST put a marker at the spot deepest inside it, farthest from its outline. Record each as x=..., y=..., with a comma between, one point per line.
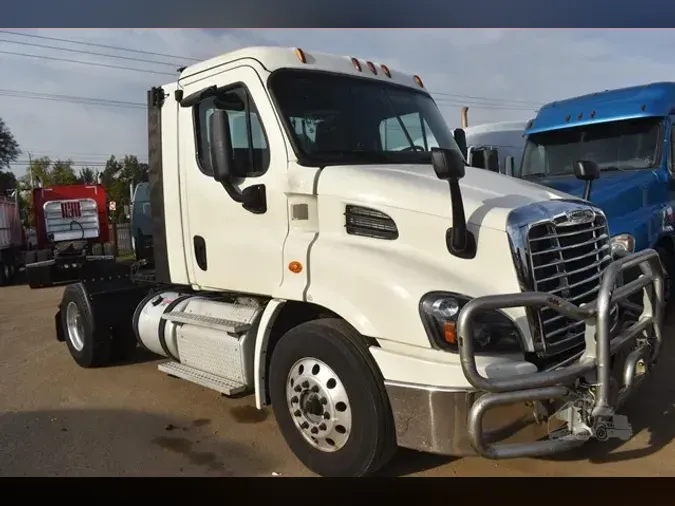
x=369, y=223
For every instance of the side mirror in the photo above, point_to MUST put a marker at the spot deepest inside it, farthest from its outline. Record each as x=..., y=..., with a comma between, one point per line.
x=491, y=157
x=589, y=171
x=509, y=164
x=221, y=145
x=449, y=165
x=460, y=138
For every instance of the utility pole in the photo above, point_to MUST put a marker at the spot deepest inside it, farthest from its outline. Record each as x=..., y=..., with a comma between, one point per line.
x=30, y=168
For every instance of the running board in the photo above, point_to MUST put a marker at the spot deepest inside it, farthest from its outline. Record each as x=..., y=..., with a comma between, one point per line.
x=205, y=379
x=229, y=326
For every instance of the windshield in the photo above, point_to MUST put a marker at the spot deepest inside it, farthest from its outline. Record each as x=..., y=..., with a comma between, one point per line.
x=619, y=145
x=338, y=119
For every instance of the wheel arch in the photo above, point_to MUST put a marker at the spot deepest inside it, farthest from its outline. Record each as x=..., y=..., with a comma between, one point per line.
x=278, y=317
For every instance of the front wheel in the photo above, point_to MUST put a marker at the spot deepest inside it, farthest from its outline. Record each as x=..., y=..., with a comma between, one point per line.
x=329, y=400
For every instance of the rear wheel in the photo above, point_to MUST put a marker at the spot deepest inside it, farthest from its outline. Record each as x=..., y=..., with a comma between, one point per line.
x=329, y=400
x=89, y=343
x=5, y=274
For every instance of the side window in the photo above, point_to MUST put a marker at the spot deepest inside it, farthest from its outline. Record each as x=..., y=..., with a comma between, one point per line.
x=250, y=151
x=393, y=138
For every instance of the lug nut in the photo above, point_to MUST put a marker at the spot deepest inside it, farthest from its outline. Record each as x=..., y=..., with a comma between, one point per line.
x=314, y=430
x=304, y=425
x=297, y=412
x=305, y=384
x=322, y=426
x=315, y=389
x=298, y=388
x=326, y=416
x=324, y=401
x=294, y=399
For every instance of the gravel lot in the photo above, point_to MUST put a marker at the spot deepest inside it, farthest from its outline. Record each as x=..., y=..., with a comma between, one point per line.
x=57, y=419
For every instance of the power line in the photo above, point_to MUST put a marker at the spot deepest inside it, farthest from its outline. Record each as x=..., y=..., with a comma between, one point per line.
x=92, y=44
x=117, y=48
x=92, y=100
x=80, y=51
x=480, y=98
x=88, y=63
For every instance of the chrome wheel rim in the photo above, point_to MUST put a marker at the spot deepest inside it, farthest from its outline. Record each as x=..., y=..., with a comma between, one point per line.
x=319, y=405
x=75, y=326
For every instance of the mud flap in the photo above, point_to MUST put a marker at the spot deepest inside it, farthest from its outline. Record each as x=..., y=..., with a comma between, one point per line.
x=59, y=327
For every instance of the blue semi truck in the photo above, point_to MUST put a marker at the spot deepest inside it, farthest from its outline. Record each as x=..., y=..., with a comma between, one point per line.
x=630, y=134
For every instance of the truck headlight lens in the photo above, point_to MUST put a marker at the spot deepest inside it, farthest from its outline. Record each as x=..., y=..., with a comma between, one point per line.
x=493, y=331
x=622, y=244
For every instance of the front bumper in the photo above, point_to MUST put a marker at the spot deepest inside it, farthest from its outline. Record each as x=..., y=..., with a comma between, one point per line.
x=511, y=416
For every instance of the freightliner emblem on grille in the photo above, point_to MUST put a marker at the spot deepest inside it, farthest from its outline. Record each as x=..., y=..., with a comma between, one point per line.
x=580, y=216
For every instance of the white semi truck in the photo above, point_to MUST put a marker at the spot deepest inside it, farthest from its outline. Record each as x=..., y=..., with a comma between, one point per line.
x=372, y=298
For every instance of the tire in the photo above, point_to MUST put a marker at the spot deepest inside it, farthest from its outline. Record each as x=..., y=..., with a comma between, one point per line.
x=668, y=263
x=4, y=274
x=342, y=356
x=92, y=346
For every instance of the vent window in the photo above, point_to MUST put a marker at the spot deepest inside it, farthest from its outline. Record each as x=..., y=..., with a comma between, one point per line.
x=369, y=223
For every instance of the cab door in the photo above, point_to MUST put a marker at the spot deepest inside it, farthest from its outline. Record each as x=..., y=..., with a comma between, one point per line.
x=226, y=246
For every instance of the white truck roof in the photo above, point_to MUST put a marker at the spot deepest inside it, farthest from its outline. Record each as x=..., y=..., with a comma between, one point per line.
x=273, y=58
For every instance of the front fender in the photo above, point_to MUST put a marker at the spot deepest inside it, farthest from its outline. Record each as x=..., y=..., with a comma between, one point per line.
x=377, y=286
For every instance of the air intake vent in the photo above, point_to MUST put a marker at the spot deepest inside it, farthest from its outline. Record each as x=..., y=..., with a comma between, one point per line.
x=369, y=223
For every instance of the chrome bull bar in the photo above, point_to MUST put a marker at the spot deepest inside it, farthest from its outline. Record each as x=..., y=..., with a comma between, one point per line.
x=600, y=346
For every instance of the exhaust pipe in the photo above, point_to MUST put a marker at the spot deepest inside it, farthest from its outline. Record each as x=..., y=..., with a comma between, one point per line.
x=464, y=116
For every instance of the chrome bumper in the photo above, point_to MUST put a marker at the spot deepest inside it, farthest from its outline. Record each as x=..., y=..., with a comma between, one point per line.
x=589, y=377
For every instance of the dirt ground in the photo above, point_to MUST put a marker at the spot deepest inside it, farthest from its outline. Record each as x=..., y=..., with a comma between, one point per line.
x=57, y=419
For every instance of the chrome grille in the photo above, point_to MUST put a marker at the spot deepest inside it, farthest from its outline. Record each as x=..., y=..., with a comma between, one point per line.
x=567, y=256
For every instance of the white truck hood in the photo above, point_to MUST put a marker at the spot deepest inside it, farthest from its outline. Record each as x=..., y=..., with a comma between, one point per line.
x=488, y=196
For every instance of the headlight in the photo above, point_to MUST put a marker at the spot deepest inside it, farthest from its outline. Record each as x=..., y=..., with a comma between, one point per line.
x=492, y=330
x=622, y=244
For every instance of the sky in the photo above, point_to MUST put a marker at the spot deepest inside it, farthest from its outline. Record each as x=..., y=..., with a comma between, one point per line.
x=501, y=74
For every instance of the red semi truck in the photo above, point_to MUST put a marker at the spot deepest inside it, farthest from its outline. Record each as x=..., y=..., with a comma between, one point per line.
x=72, y=234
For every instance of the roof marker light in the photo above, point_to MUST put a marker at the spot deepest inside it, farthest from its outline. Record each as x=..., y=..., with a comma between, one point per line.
x=580, y=115
x=567, y=118
x=386, y=71
x=371, y=67
x=301, y=55
x=356, y=64
x=418, y=81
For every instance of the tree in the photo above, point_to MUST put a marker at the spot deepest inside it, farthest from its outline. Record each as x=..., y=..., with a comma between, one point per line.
x=118, y=176
x=9, y=148
x=7, y=181
x=62, y=173
x=87, y=176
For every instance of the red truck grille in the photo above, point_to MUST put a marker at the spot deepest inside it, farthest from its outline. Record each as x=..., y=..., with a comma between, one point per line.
x=71, y=210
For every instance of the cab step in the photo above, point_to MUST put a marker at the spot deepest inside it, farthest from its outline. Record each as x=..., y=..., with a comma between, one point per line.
x=218, y=383
x=209, y=322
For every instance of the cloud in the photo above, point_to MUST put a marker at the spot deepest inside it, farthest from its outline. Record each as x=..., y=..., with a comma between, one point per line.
x=500, y=74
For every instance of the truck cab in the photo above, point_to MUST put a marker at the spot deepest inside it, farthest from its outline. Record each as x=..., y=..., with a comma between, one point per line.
x=500, y=141
x=629, y=133
x=375, y=295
